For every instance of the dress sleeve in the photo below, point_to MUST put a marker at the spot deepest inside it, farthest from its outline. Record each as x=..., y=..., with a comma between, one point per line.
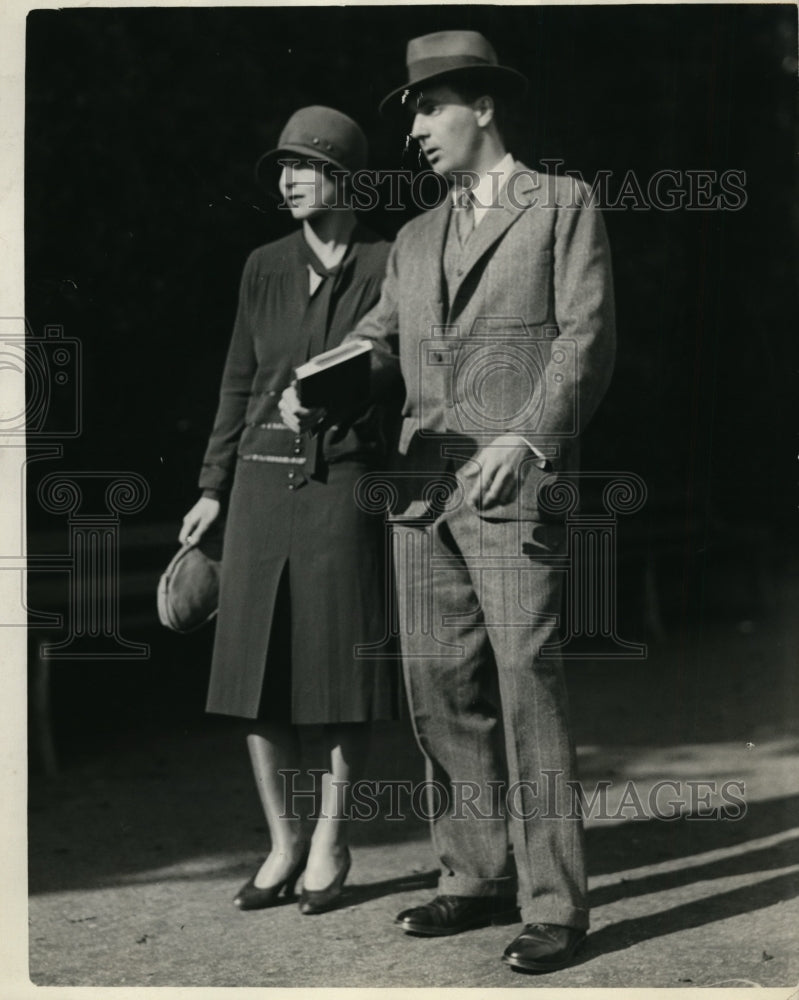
x=240, y=368
x=381, y=326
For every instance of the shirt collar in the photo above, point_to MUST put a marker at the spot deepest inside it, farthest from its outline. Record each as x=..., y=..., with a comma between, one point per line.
x=485, y=192
x=312, y=245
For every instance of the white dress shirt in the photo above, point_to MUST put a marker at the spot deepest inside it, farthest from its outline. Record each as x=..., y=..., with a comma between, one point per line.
x=485, y=193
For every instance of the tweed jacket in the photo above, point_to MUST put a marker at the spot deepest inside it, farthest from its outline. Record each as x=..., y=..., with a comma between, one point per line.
x=523, y=339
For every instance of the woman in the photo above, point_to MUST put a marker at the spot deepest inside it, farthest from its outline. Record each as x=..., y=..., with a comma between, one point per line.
x=303, y=580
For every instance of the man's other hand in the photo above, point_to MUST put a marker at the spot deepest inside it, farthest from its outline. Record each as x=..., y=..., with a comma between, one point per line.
x=494, y=472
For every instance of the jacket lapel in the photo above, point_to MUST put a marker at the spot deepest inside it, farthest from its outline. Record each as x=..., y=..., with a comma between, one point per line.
x=433, y=243
x=514, y=198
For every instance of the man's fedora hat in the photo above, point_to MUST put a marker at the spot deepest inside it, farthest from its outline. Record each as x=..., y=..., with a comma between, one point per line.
x=442, y=53
x=319, y=133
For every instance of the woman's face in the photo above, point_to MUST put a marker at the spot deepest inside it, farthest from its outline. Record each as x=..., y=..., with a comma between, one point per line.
x=306, y=189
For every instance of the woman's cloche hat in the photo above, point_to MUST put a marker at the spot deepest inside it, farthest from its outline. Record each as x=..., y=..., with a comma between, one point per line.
x=319, y=133
x=441, y=53
x=188, y=590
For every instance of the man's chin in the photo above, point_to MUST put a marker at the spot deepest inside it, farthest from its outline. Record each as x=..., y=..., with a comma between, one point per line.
x=439, y=167
x=302, y=212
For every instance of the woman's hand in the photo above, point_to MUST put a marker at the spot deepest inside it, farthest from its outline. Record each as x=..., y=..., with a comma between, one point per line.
x=198, y=520
x=295, y=416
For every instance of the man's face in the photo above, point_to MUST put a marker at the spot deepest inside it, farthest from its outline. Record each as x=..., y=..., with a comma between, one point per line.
x=306, y=188
x=447, y=129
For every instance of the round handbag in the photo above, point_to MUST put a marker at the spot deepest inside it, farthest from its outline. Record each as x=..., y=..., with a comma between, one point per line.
x=188, y=591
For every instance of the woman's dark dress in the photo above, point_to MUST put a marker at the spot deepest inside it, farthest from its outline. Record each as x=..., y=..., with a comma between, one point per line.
x=303, y=569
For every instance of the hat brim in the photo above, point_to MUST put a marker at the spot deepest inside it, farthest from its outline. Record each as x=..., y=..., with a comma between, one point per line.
x=506, y=78
x=270, y=160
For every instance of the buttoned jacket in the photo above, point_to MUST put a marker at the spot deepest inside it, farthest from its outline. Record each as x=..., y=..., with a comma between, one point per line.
x=520, y=340
x=268, y=342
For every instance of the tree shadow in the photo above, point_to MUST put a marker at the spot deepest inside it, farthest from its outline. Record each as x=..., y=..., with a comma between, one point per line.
x=637, y=843
x=764, y=859
x=186, y=801
x=353, y=894
x=688, y=916
x=356, y=894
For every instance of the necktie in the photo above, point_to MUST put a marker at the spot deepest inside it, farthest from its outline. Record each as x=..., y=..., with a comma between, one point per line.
x=316, y=321
x=464, y=216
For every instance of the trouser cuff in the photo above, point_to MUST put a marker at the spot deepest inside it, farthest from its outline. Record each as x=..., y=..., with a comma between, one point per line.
x=568, y=916
x=470, y=885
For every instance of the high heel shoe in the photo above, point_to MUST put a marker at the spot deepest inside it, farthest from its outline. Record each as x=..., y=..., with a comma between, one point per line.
x=319, y=900
x=251, y=897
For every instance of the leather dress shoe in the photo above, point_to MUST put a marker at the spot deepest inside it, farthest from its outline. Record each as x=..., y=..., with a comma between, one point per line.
x=544, y=947
x=453, y=914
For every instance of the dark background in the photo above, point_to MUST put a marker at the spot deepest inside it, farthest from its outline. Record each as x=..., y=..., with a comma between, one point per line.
x=142, y=130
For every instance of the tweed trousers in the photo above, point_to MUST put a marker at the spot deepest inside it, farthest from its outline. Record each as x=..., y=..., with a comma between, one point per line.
x=488, y=707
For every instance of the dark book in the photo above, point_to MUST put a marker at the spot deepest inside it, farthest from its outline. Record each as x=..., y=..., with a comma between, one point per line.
x=336, y=377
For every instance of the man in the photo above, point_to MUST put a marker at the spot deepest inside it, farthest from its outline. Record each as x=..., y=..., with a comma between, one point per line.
x=499, y=305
